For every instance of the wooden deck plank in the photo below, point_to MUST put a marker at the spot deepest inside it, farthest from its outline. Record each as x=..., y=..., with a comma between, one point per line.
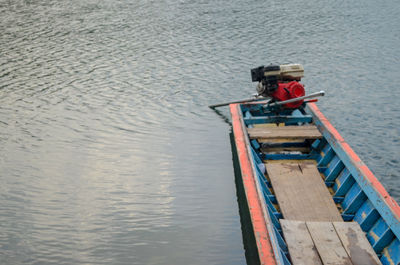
x=285, y=149
x=301, y=192
x=338, y=243
x=301, y=247
x=280, y=140
x=328, y=244
x=267, y=125
x=355, y=243
x=293, y=132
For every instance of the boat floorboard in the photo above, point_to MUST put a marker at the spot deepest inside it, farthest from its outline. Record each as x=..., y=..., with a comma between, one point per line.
x=291, y=132
x=301, y=192
x=339, y=243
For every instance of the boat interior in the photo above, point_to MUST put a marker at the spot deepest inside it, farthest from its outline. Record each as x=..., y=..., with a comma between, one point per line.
x=320, y=205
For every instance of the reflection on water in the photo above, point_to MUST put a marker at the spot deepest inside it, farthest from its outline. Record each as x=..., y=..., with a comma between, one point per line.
x=108, y=151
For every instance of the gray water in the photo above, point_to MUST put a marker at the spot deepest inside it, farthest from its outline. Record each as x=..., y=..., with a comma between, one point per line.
x=108, y=152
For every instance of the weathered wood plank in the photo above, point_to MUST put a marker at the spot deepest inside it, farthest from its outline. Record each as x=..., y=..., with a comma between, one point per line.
x=356, y=244
x=268, y=125
x=286, y=149
x=301, y=192
x=280, y=140
x=286, y=128
x=301, y=247
x=328, y=244
x=335, y=243
x=294, y=132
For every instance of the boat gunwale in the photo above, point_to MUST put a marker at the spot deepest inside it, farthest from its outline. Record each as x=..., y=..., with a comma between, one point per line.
x=262, y=229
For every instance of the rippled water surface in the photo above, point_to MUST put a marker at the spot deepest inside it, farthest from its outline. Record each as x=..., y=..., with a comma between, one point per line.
x=108, y=152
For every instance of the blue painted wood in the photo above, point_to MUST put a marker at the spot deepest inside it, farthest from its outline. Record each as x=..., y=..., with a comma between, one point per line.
x=324, y=147
x=278, y=216
x=349, y=197
x=254, y=108
x=256, y=157
x=384, y=241
x=266, y=192
x=338, y=199
x=317, y=145
x=333, y=170
x=278, y=240
x=380, y=235
x=260, y=167
x=265, y=188
x=265, y=185
x=268, y=183
x=281, y=242
x=334, y=161
x=255, y=144
x=343, y=183
x=391, y=255
x=261, y=175
x=366, y=216
x=347, y=217
x=285, y=260
x=353, y=199
x=275, y=119
x=283, y=257
x=296, y=114
x=274, y=220
x=273, y=199
x=326, y=156
x=329, y=184
x=269, y=203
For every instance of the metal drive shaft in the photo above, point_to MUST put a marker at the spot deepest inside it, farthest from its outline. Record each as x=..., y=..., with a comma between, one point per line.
x=313, y=95
x=236, y=101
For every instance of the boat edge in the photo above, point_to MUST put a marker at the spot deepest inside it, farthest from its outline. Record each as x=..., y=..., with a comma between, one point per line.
x=252, y=192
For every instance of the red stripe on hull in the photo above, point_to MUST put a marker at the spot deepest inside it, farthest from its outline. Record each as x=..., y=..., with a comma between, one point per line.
x=357, y=161
x=265, y=250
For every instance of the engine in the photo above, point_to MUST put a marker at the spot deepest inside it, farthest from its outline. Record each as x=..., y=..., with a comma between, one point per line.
x=280, y=82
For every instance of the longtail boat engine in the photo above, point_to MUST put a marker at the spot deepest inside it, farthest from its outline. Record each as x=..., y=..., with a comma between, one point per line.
x=280, y=82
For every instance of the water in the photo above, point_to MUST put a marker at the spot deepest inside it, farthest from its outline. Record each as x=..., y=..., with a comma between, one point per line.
x=108, y=152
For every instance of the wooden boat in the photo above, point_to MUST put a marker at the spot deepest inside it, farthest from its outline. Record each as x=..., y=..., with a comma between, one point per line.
x=311, y=199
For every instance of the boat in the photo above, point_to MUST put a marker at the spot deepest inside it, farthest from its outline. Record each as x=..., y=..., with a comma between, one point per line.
x=309, y=197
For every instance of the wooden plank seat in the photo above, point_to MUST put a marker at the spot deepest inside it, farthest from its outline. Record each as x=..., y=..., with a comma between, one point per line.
x=285, y=132
x=339, y=243
x=301, y=191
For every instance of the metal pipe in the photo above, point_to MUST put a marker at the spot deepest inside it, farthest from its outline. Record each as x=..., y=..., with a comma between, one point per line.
x=236, y=101
x=313, y=95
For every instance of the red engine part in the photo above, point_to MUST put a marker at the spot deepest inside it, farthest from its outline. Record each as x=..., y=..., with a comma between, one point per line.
x=287, y=91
